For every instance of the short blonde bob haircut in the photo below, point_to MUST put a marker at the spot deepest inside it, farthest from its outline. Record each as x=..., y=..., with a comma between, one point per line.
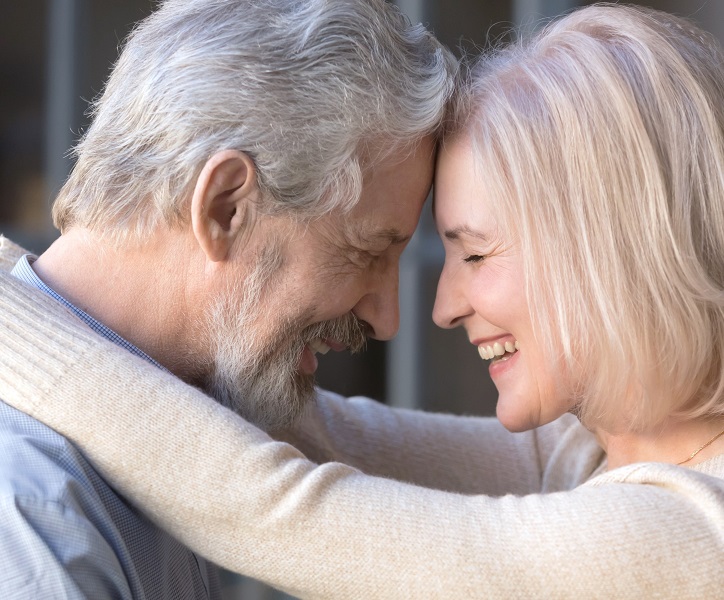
x=601, y=141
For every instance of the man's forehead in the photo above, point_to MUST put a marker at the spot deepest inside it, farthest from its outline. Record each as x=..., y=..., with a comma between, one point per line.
x=393, y=193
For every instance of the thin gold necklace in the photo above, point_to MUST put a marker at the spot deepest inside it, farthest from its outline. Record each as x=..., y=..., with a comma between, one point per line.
x=695, y=452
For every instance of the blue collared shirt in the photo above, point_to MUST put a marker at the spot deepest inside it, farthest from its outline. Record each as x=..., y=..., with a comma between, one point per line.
x=64, y=533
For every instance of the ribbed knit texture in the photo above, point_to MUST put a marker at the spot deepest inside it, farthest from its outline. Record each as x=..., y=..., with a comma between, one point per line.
x=258, y=506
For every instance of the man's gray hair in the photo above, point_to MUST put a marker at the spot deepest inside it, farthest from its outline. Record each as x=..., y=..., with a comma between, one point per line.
x=314, y=91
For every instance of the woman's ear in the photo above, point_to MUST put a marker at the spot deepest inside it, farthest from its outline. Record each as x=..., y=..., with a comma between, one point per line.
x=223, y=202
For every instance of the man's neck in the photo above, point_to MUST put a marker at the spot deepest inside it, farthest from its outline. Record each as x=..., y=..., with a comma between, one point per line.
x=138, y=291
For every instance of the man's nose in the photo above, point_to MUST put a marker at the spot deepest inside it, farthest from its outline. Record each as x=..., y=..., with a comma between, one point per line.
x=380, y=309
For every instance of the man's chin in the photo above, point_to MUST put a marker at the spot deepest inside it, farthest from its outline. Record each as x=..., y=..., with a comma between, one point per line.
x=270, y=405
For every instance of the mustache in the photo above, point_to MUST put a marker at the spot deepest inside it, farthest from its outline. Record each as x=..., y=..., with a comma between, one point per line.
x=347, y=330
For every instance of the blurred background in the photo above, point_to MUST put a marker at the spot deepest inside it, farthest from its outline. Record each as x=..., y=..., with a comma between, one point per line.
x=55, y=56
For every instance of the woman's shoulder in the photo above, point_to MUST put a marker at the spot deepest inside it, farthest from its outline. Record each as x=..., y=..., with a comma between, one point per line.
x=713, y=466
x=703, y=482
x=573, y=457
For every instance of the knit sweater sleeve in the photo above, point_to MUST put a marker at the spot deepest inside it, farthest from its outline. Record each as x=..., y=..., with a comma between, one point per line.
x=473, y=455
x=259, y=507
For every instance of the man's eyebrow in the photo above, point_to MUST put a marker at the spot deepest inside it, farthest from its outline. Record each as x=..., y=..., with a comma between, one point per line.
x=392, y=235
x=456, y=232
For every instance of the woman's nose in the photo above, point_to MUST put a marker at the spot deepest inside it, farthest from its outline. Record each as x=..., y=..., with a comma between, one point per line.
x=451, y=304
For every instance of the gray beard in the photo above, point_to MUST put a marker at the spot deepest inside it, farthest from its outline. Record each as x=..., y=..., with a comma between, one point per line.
x=259, y=378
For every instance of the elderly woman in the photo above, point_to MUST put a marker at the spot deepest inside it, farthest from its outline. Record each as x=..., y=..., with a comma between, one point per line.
x=579, y=196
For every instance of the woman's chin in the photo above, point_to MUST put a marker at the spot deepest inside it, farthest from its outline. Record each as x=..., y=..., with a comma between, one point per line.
x=520, y=410
x=515, y=418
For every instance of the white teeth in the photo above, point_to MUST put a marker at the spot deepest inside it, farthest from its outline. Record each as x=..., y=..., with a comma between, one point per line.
x=319, y=346
x=498, y=350
x=486, y=352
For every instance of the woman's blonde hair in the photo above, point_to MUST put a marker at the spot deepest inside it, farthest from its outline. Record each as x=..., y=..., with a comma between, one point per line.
x=601, y=141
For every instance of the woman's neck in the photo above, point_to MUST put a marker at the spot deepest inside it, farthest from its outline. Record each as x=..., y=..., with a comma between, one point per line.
x=673, y=441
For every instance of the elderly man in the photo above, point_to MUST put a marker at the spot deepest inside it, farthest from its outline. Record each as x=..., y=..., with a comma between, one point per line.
x=240, y=203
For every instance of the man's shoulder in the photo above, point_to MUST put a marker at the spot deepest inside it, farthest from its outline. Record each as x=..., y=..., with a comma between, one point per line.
x=58, y=532
x=10, y=252
x=40, y=464
x=60, y=519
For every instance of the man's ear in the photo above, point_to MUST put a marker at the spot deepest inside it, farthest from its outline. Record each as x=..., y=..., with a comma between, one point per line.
x=223, y=202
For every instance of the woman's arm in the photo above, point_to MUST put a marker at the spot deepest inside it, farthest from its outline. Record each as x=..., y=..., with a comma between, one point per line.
x=472, y=455
x=447, y=452
x=259, y=507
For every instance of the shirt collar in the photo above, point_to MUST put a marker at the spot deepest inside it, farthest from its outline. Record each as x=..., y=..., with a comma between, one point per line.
x=23, y=270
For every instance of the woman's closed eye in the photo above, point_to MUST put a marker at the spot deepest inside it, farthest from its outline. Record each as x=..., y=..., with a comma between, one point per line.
x=474, y=258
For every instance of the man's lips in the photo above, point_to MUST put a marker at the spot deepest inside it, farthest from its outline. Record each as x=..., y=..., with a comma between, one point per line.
x=335, y=345
x=308, y=362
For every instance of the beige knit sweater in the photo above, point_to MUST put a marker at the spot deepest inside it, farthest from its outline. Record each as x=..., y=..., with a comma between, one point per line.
x=426, y=506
